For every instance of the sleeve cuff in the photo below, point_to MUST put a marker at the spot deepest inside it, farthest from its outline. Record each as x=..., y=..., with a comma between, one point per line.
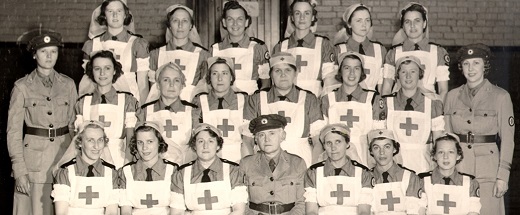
x=442, y=73
x=316, y=127
x=503, y=174
x=177, y=201
x=130, y=120
x=389, y=72
x=239, y=195
x=19, y=169
x=310, y=195
x=143, y=64
x=328, y=69
x=263, y=71
x=474, y=205
x=61, y=193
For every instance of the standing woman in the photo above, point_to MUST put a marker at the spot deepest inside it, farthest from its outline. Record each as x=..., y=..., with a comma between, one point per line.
x=43, y=101
x=359, y=26
x=116, y=109
x=481, y=114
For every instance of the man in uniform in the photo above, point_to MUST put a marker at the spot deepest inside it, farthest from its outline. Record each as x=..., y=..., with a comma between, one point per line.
x=44, y=102
x=274, y=177
x=300, y=107
x=223, y=108
x=412, y=115
x=414, y=24
x=250, y=54
x=314, y=53
x=397, y=189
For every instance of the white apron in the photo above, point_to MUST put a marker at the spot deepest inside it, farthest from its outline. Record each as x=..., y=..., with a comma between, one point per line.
x=211, y=198
x=243, y=59
x=447, y=199
x=358, y=117
x=428, y=59
x=229, y=122
x=308, y=63
x=412, y=130
x=113, y=116
x=372, y=66
x=338, y=194
x=123, y=53
x=188, y=62
x=149, y=197
x=295, y=115
x=89, y=195
x=176, y=126
x=390, y=198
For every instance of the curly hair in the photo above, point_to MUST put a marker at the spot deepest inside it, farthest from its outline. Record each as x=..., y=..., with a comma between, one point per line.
x=163, y=146
x=394, y=143
x=362, y=7
x=233, y=5
x=487, y=66
x=193, y=140
x=339, y=76
x=118, y=68
x=451, y=139
x=79, y=137
x=313, y=6
x=102, y=18
x=221, y=61
x=415, y=7
x=406, y=62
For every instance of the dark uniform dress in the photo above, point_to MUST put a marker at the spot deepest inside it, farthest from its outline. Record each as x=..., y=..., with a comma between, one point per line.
x=338, y=190
x=48, y=113
x=86, y=194
x=477, y=119
x=283, y=187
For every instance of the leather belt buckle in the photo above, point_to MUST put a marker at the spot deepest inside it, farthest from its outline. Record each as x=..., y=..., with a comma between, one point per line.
x=470, y=137
x=52, y=133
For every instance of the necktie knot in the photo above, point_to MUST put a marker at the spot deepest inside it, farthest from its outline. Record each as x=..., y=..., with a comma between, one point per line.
x=416, y=46
x=385, y=177
x=272, y=165
x=205, y=176
x=446, y=180
x=220, y=103
x=149, y=174
x=103, y=99
x=282, y=98
x=167, y=108
x=90, y=173
x=300, y=43
x=47, y=82
x=361, y=51
x=234, y=45
x=408, y=105
x=337, y=171
x=178, y=48
x=349, y=97
x=114, y=38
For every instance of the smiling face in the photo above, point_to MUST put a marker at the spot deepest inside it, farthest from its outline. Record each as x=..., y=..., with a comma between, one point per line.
x=269, y=140
x=92, y=143
x=147, y=146
x=446, y=155
x=414, y=25
x=220, y=77
x=360, y=23
x=383, y=152
x=235, y=22
x=46, y=57
x=115, y=14
x=103, y=71
x=206, y=146
x=351, y=70
x=335, y=146
x=302, y=15
x=408, y=75
x=170, y=83
x=180, y=24
x=473, y=69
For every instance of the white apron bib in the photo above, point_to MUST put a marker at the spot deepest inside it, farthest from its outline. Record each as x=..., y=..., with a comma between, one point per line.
x=390, y=198
x=211, y=198
x=428, y=59
x=113, y=117
x=243, y=59
x=89, y=194
x=337, y=194
x=228, y=121
x=447, y=199
x=308, y=62
x=412, y=130
x=187, y=61
x=372, y=66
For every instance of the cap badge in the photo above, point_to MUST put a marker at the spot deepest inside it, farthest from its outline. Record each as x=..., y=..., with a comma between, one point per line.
x=282, y=59
x=46, y=39
x=470, y=52
x=264, y=121
x=333, y=128
x=380, y=132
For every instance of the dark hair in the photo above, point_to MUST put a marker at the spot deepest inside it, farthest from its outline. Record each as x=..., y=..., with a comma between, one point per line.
x=170, y=14
x=406, y=62
x=233, y=5
x=415, y=7
x=361, y=7
x=313, y=6
x=487, y=66
x=339, y=76
x=290, y=65
x=447, y=138
x=102, y=18
x=163, y=146
x=221, y=61
x=345, y=136
x=118, y=68
x=79, y=138
x=193, y=140
x=394, y=143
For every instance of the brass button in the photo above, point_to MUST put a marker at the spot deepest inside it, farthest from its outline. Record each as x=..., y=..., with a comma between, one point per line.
x=51, y=126
x=272, y=192
x=48, y=98
x=469, y=121
x=52, y=139
x=469, y=146
x=49, y=113
x=272, y=179
x=26, y=145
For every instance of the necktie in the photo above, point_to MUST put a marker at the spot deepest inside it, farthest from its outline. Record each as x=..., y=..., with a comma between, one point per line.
x=385, y=177
x=408, y=105
x=446, y=180
x=234, y=44
x=282, y=98
x=47, y=82
x=361, y=51
x=349, y=97
x=337, y=171
x=417, y=47
x=103, y=99
x=300, y=43
x=149, y=174
x=178, y=48
x=220, y=103
x=167, y=108
x=205, y=176
x=272, y=165
x=90, y=173
x=114, y=38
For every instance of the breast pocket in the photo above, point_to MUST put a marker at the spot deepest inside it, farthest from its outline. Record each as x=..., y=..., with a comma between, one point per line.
x=487, y=119
x=458, y=118
x=61, y=109
x=256, y=187
x=290, y=186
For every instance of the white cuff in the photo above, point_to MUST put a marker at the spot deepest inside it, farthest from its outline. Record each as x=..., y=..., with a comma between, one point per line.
x=263, y=71
x=389, y=72
x=474, y=205
x=143, y=64
x=239, y=195
x=130, y=120
x=310, y=195
x=177, y=201
x=438, y=123
x=316, y=127
x=61, y=193
x=442, y=73
x=328, y=69
x=365, y=196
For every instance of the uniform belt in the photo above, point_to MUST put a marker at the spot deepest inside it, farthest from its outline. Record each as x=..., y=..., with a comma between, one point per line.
x=271, y=208
x=472, y=138
x=50, y=133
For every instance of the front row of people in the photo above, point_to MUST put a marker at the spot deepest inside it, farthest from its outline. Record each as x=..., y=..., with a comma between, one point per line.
x=271, y=181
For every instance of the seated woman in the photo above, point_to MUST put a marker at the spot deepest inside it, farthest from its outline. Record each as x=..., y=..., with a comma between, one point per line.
x=337, y=185
x=144, y=183
x=209, y=184
x=86, y=184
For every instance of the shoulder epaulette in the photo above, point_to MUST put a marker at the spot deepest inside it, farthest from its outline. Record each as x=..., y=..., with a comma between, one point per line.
x=107, y=164
x=259, y=41
x=71, y=162
x=130, y=163
x=425, y=174
x=390, y=95
x=304, y=90
x=337, y=44
x=124, y=92
x=375, y=41
x=316, y=165
x=321, y=36
x=241, y=92
x=466, y=174
x=432, y=43
x=228, y=162
x=134, y=34
x=335, y=90
x=186, y=164
x=88, y=94
x=355, y=163
x=200, y=46
x=99, y=35
x=187, y=103
x=405, y=168
x=170, y=163
x=149, y=103
x=201, y=93
x=368, y=90
x=280, y=42
x=260, y=90
x=394, y=46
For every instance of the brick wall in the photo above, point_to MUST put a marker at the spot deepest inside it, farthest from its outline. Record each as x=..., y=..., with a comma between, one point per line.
x=453, y=22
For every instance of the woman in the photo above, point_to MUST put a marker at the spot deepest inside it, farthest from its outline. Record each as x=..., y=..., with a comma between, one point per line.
x=42, y=102
x=144, y=183
x=209, y=184
x=477, y=111
x=356, y=37
x=337, y=185
x=86, y=184
x=117, y=110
